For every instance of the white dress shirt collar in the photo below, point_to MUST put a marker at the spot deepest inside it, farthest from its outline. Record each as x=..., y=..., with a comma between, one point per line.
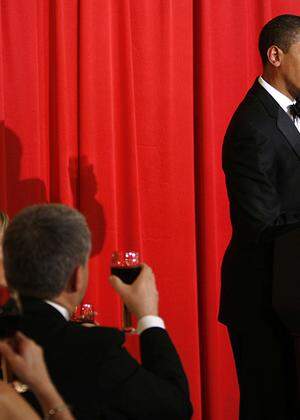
x=59, y=308
x=144, y=323
x=279, y=97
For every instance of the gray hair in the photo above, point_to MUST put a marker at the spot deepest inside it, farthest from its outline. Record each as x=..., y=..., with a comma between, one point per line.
x=42, y=246
x=4, y=220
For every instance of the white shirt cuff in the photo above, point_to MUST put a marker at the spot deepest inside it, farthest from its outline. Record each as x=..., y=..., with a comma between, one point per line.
x=149, y=321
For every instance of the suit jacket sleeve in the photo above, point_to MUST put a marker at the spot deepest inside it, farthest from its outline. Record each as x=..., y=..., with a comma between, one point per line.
x=250, y=166
x=155, y=389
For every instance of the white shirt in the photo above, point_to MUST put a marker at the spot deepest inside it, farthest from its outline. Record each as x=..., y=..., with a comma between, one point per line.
x=283, y=101
x=59, y=308
x=148, y=321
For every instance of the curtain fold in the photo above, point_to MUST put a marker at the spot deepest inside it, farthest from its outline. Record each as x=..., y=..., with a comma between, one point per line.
x=62, y=48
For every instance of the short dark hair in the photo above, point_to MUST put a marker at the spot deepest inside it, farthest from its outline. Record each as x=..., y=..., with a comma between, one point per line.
x=42, y=246
x=282, y=31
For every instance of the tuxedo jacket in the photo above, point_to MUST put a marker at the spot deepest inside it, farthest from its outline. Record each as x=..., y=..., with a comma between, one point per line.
x=98, y=378
x=286, y=290
x=261, y=162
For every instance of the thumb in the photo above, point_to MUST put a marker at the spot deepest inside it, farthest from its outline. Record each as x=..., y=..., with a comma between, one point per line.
x=7, y=352
x=119, y=286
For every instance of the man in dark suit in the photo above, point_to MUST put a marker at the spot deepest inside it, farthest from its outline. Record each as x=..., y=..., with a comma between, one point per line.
x=46, y=251
x=261, y=161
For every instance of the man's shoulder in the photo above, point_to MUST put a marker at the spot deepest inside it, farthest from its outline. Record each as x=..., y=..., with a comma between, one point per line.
x=57, y=336
x=43, y=321
x=94, y=333
x=93, y=337
x=255, y=110
x=250, y=111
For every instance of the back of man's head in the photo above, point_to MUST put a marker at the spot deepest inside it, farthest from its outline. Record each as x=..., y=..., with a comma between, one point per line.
x=42, y=247
x=281, y=31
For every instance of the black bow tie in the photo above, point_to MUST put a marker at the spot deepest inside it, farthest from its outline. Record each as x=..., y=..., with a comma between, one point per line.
x=295, y=109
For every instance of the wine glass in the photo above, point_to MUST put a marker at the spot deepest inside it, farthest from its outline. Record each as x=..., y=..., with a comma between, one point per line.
x=84, y=313
x=126, y=266
x=87, y=313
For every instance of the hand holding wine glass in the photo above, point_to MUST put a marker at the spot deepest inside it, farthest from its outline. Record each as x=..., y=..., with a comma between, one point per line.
x=140, y=297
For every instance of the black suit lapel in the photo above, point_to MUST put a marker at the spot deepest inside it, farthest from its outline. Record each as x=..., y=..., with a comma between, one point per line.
x=284, y=122
x=288, y=129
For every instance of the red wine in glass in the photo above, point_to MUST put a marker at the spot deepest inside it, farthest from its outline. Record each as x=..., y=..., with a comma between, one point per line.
x=126, y=274
x=87, y=313
x=84, y=314
x=126, y=266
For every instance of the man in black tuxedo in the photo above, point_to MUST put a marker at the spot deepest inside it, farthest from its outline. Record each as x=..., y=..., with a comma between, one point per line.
x=261, y=161
x=46, y=250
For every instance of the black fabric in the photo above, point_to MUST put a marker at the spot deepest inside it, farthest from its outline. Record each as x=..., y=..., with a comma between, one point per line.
x=261, y=161
x=295, y=109
x=286, y=290
x=98, y=377
x=297, y=352
x=264, y=361
x=10, y=317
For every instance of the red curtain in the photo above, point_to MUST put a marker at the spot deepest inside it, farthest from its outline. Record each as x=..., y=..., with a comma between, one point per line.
x=119, y=107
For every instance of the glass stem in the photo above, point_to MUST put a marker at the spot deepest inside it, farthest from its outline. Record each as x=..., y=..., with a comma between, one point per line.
x=127, y=320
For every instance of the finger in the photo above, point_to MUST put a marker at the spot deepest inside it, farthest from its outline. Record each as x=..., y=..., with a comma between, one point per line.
x=146, y=273
x=119, y=286
x=8, y=353
x=24, y=341
x=22, y=336
x=21, y=340
x=146, y=268
x=4, y=346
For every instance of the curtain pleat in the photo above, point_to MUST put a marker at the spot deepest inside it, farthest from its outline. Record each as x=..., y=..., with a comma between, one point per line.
x=63, y=67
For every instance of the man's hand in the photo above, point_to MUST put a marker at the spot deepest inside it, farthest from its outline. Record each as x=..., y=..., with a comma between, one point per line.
x=140, y=297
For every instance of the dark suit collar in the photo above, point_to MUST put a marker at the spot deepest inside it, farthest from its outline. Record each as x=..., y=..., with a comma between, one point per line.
x=40, y=308
x=284, y=122
x=289, y=130
x=271, y=106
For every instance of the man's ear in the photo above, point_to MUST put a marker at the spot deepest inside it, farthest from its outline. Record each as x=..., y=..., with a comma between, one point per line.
x=274, y=55
x=74, y=283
